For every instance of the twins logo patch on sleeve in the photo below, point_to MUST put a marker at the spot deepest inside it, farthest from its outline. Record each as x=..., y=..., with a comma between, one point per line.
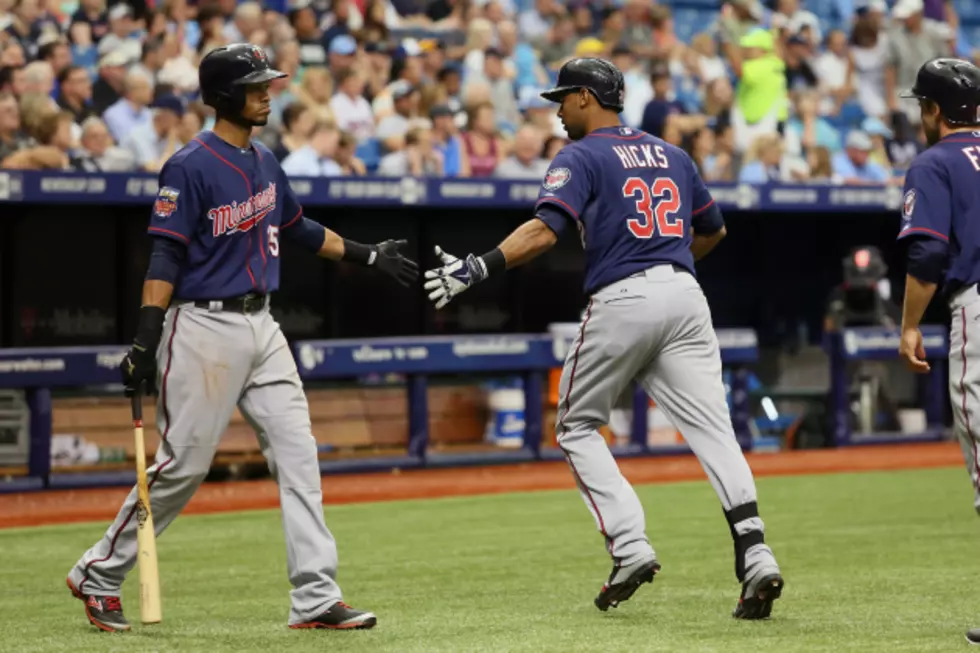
x=556, y=178
x=166, y=202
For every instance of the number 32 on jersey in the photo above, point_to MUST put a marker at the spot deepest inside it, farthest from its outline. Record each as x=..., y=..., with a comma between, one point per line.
x=655, y=216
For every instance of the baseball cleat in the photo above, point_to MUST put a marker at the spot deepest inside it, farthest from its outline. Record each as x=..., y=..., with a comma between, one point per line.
x=756, y=599
x=624, y=581
x=340, y=616
x=105, y=612
x=973, y=636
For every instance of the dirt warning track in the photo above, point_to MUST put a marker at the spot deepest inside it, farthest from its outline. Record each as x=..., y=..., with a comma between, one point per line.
x=64, y=506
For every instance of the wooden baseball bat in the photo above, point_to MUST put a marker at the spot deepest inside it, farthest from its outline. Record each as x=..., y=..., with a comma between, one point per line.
x=150, y=607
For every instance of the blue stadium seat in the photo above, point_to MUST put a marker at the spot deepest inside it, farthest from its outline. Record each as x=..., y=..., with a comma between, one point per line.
x=369, y=152
x=971, y=33
x=850, y=116
x=967, y=10
x=689, y=21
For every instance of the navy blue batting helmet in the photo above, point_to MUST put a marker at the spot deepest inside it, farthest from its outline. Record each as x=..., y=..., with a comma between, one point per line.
x=226, y=71
x=600, y=77
x=954, y=85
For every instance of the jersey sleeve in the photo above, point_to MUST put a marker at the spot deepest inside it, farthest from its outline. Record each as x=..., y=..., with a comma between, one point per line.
x=177, y=208
x=926, y=207
x=292, y=210
x=706, y=217
x=567, y=185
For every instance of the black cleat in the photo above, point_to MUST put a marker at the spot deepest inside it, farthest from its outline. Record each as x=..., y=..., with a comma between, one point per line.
x=756, y=603
x=105, y=612
x=340, y=616
x=973, y=636
x=615, y=591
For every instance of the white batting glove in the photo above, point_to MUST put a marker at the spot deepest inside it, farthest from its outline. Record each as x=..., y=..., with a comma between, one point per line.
x=453, y=277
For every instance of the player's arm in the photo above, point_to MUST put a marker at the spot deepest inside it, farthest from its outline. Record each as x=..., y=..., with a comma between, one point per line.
x=172, y=223
x=558, y=205
x=326, y=243
x=926, y=221
x=707, y=222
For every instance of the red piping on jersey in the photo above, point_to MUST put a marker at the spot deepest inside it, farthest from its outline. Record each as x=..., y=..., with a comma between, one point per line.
x=561, y=422
x=248, y=185
x=557, y=201
x=924, y=230
x=617, y=136
x=163, y=436
x=290, y=223
x=703, y=208
x=170, y=233
x=966, y=413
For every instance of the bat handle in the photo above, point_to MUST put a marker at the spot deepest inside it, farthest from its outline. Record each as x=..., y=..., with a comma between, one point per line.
x=137, y=405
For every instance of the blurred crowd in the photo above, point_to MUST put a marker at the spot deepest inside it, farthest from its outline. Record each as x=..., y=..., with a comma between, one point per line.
x=758, y=93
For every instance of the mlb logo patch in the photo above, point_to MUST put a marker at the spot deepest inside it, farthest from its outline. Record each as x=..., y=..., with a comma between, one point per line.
x=556, y=178
x=166, y=202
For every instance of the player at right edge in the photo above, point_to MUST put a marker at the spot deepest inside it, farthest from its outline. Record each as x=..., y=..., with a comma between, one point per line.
x=941, y=230
x=644, y=217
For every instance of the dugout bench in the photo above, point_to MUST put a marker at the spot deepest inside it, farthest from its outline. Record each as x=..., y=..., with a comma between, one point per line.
x=38, y=371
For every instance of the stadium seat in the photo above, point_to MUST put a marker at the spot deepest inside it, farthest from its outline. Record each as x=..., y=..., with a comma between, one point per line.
x=971, y=33
x=967, y=10
x=850, y=116
x=369, y=152
x=689, y=21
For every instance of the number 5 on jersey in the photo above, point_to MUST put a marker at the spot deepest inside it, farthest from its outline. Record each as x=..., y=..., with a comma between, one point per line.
x=655, y=217
x=274, y=240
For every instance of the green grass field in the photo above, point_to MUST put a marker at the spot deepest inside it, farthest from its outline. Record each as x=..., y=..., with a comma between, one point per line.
x=873, y=562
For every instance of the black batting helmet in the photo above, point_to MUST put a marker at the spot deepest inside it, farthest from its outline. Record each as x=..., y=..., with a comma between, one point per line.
x=954, y=85
x=226, y=71
x=600, y=77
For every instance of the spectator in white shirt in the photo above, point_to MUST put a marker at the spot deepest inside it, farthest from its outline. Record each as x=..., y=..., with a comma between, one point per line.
x=833, y=70
x=342, y=55
x=406, y=104
x=123, y=35
x=97, y=144
x=315, y=159
x=638, y=89
x=526, y=162
x=131, y=110
x=155, y=142
x=350, y=109
x=417, y=159
x=790, y=17
x=711, y=65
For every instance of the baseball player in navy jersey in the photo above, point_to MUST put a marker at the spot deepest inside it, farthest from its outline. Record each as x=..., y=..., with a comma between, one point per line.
x=644, y=216
x=206, y=339
x=942, y=237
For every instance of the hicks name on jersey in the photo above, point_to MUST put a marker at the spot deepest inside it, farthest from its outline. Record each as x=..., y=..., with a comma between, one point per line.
x=641, y=156
x=241, y=217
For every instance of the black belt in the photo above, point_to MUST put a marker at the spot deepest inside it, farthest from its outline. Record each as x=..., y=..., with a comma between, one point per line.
x=677, y=268
x=250, y=303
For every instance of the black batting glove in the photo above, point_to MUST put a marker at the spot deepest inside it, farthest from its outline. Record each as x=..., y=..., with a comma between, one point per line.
x=139, y=369
x=139, y=366
x=392, y=263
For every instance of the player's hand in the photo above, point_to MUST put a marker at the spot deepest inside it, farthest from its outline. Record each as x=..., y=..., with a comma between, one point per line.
x=392, y=263
x=139, y=367
x=912, y=352
x=453, y=277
